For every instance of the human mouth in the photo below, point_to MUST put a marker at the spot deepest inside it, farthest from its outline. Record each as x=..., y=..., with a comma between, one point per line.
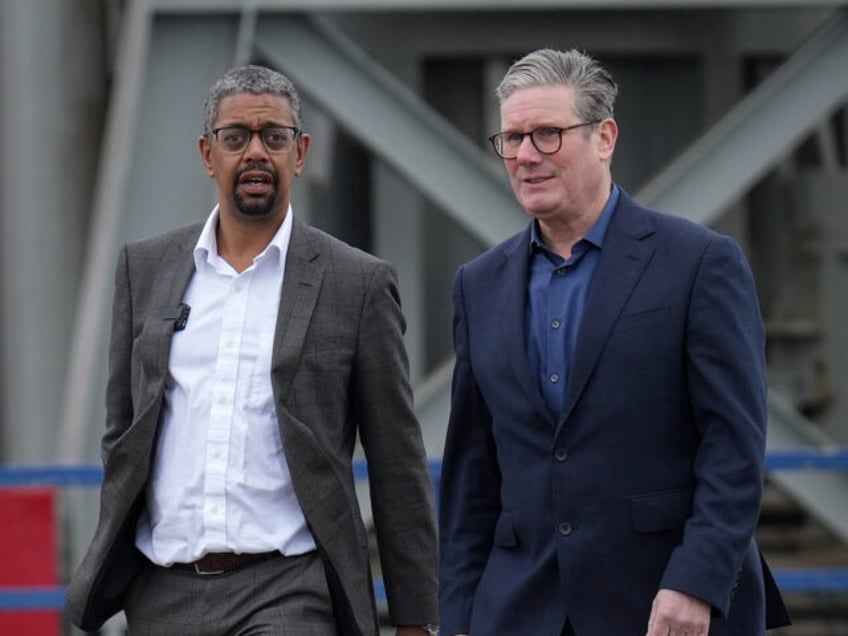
x=256, y=182
x=535, y=180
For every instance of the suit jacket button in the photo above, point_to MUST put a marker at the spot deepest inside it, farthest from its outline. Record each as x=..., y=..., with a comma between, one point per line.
x=560, y=454
x=565, y=528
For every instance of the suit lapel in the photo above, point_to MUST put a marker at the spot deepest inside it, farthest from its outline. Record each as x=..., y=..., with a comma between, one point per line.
x=173, y=274
x=171, y=269
x=174, y=269
x=624, y=257
x=513, y=280
x=301, y=284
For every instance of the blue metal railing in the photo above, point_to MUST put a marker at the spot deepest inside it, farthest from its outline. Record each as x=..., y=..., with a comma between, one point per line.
x=28, y=598
x=52, y=475
x=91, y=475
x=816, y=580
x=32, y=598
x=831, y=458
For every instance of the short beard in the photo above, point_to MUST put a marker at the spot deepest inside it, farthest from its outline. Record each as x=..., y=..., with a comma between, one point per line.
x=259, y=210
x=262, y=209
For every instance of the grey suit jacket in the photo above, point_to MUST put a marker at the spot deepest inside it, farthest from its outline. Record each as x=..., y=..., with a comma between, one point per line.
x=339, y=369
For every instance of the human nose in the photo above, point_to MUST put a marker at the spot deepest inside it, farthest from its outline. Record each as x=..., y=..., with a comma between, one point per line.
x=255, y=145
x=527, y=151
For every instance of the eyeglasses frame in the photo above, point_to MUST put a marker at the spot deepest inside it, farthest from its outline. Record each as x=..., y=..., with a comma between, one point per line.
x=257, y=131
x=560, y=129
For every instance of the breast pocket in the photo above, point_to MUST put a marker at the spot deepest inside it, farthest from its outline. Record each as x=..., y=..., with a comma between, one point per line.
x=642, y=319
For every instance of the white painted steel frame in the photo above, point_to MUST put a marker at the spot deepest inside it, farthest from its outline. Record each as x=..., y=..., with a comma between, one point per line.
x=388, y=119
x=733, y=155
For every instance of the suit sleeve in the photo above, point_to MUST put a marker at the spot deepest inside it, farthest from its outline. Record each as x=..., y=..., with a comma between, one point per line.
x=469, y=503
x=402, y=497
x=726, y=379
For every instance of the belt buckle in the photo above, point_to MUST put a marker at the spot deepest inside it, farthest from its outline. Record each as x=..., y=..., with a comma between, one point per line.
x=206, y=572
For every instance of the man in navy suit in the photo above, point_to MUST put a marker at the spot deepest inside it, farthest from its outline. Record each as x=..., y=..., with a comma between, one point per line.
x=603, y=465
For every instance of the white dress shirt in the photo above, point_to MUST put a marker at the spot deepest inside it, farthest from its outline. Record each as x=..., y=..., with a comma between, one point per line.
x=219, y=480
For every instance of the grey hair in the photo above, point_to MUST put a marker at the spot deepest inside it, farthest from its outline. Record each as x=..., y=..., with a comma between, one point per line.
x=253, y=79
x=594, y=88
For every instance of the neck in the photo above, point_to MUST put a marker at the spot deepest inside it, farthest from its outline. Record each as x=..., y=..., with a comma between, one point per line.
x=561, y=233
x=240, y=240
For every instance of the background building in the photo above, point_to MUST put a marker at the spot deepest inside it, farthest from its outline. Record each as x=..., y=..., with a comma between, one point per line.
x=732, y=113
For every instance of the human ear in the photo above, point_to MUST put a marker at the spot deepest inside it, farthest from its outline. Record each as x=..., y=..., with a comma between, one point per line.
x=205, y=149
x=607, y=136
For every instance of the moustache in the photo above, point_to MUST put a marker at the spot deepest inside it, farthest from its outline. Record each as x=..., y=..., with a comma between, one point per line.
x=272, y=174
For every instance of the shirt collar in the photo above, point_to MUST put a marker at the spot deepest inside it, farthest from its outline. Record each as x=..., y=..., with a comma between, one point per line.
x=596, y=233
x=206, y=248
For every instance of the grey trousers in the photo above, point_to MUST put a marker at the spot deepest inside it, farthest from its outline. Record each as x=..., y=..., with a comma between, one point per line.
x=285, y=595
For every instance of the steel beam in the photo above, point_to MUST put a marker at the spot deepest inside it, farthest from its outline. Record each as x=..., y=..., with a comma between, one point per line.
x=821, y=493
x=95, y=289
x=392, y=122
x=762, y=129
x=50, y=109
x=207, y=6
x=724, y=164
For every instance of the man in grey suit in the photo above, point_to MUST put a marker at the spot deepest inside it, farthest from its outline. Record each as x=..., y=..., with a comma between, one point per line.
x=247, y=354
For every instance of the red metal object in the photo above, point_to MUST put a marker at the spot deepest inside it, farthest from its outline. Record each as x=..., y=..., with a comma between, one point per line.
x=28, y=555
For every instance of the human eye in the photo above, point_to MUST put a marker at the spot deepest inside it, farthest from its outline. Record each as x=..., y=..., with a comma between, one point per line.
x=277, y=135
x=232, y=137
x=277, y=138
x=546, y=134
x=512, y=138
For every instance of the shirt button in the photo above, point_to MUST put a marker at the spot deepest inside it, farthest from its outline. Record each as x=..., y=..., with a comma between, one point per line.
x=237, y=287
x=222, y=400
x=214, y=510
x=565, y=528
x=554, y=378
x=560, y=454
x=555, y=324
x=560, y=271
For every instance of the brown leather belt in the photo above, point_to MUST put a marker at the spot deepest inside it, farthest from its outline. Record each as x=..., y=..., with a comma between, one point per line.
x=220, y=562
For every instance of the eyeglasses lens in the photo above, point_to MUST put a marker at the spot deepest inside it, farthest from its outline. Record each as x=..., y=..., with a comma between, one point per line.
x=235, y=140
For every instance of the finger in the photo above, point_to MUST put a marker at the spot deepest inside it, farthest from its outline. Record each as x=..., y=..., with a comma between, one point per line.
x=656, y=628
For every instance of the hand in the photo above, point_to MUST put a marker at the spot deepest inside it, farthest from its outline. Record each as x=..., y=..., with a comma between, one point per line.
x=677, y=614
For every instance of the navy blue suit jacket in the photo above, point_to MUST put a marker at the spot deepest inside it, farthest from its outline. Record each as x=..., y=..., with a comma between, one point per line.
x=652, y=475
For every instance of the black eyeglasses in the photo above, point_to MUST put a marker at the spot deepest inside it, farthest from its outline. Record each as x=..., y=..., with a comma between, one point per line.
x=234, y=139
x=547, y=139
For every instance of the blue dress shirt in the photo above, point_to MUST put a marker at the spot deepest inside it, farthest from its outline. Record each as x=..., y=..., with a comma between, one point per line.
x=555, y=299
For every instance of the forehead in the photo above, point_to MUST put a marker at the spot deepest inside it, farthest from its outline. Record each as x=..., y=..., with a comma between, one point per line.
x=245, y=108
x=541, y=105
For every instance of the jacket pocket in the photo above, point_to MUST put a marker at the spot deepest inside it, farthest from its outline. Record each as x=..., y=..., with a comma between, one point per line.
x=649, y=317
x=664, y=510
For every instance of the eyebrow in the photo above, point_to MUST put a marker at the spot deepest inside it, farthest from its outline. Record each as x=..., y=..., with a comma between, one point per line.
x=265, y=124
x=534, y=127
